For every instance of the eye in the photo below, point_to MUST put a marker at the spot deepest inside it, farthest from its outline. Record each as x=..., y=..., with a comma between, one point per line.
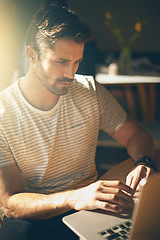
x=78, y=62
x=60, y=62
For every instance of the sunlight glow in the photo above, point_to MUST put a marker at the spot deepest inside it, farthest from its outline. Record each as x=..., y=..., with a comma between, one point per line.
x=7, y=44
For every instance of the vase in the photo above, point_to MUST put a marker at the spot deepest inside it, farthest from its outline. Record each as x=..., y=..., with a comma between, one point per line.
x=125, y=62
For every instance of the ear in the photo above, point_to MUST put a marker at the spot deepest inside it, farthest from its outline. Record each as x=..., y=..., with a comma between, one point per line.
x=31, y=54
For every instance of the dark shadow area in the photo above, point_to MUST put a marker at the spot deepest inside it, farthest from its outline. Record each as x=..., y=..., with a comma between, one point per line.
x=108, y=157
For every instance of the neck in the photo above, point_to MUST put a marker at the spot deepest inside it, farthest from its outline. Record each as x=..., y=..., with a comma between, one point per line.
x=36, y=94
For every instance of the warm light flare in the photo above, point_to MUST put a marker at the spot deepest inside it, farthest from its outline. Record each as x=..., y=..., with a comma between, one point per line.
x=108, y=15
x=7, y=44
x=138, y=26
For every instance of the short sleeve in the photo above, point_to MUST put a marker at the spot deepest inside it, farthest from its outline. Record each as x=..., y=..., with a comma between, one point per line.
x=112, y=115
x=6, y=156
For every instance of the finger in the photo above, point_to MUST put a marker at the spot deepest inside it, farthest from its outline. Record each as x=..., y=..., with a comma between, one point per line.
x=140, y=173
x=119, y=185
x=118, y=198
x=122, y=202
x=109, y=206
x=135, y=182
x=111, y=194
x=125, y=197
x=113, y=207
x=129, y=180
x=149, y=172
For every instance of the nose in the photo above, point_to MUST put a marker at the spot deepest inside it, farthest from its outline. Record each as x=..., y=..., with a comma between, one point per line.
x=70, y=72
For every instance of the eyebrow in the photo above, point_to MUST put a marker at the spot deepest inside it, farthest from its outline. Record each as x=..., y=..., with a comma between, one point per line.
x=67, y=60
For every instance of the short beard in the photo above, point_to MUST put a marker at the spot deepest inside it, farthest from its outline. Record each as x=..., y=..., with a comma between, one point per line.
x=55, y=90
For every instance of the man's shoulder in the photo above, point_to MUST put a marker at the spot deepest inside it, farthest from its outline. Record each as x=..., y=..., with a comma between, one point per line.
x=6, y=98
x=7, y=91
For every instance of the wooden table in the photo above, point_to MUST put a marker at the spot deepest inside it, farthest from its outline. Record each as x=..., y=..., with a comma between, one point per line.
x=146, y=86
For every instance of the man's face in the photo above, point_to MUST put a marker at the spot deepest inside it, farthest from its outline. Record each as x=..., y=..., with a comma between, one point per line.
x=56, y=68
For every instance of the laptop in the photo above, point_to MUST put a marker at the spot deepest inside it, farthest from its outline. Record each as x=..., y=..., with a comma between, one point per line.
x=141, y=224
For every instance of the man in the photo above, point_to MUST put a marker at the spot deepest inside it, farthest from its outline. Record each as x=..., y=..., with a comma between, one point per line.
x=49, y=124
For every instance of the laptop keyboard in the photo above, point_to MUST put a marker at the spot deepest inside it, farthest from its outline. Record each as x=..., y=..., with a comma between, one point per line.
x=118, y=232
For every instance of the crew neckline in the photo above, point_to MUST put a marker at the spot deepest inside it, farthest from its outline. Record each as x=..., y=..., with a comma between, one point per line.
x=43, y=112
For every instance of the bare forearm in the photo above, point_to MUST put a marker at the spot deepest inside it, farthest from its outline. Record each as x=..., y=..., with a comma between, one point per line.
x=141, y=144
x=37, y=206
x=138, y=142
x=106, y=195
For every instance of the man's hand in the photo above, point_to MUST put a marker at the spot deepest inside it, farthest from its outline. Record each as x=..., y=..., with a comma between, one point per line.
x=107, y=195
x=137, y=174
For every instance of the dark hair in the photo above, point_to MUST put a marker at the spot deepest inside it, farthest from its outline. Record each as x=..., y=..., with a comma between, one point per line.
x=52, y=23
x=45, y=3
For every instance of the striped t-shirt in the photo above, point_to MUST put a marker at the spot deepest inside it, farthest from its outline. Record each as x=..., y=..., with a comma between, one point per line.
x=55, y=150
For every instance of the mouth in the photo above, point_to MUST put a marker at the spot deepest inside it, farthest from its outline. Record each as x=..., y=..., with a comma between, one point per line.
x=65, y=82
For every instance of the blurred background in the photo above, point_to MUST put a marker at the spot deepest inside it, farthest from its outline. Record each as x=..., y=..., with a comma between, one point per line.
x=15, y=16
x=117, y=25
